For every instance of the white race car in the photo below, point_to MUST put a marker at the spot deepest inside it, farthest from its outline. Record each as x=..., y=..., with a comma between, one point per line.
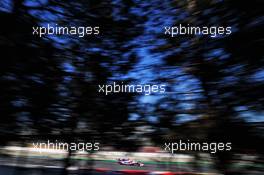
x=129, y=162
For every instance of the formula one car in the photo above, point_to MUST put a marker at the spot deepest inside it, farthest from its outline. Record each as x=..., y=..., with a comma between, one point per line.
x=129, y=162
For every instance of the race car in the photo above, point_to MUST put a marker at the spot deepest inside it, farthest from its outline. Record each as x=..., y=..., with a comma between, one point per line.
x=129, y=162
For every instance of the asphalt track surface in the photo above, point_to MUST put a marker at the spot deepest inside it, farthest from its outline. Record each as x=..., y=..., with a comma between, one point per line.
x=11, y=170
x=42, y=166
x=85, y=164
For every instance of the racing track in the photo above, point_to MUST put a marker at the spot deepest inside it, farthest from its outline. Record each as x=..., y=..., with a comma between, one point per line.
x=37, y=166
